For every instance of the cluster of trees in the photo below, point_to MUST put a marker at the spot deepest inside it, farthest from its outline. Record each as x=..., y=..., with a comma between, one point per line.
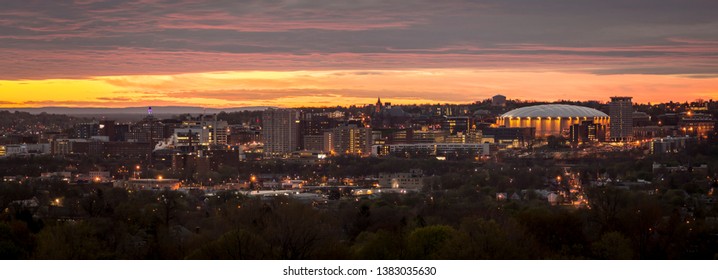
x=456, y=216
x=98, y=222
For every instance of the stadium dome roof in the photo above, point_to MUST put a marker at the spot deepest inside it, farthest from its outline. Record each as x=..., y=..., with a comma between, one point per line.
x=553, y=110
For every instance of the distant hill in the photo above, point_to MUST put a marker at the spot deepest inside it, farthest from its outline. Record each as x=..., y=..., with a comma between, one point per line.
x=157, y=110
x=25, y=123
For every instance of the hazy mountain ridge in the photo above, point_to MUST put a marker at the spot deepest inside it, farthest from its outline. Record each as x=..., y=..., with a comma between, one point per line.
x=159, y=110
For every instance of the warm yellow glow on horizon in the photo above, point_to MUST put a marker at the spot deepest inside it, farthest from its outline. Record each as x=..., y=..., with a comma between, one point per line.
x=58, y=90
x=346, y=87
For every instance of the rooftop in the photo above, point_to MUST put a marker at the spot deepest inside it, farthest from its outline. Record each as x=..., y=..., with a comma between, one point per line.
x=553, y=110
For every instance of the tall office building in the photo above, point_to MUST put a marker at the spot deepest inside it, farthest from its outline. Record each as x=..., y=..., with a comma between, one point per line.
x=313, y=127
x=148, y=130
x=280, y=130
x=621, y=113
x=205, y=130
x=86, y=130
x=108, y=128
x=317, y=123
x=348, y=139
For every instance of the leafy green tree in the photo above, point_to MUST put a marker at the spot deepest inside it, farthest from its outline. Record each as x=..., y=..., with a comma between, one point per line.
x=380, y=245
x=235, y=245
x=428, y=242
x=559, y=231
x=15, y=241
x=296, y=230
x=606, y=203
x=482, y=239
x=612, y=246
x=70, y=241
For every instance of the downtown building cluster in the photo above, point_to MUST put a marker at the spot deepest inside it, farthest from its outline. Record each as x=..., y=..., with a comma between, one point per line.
x=212, y=152
x=446, y=131
x=375, y=130
x=457, y=131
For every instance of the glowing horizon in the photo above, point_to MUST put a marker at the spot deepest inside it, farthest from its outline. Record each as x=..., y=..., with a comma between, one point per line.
x=110, y=53
x=344, y=88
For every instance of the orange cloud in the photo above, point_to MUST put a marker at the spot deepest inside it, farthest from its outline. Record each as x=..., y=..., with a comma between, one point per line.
x=350, y=87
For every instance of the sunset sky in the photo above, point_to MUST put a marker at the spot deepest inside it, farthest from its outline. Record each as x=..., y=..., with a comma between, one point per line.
x=289, y=53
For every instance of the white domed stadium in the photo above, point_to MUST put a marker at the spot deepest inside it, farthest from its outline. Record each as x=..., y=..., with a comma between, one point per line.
x=551, y=119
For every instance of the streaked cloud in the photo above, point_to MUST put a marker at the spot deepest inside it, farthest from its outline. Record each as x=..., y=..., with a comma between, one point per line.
x=284, y=51
x=348, y=87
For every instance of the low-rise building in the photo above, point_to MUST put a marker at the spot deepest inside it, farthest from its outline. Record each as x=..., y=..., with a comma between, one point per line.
x=149, y=184
x=428, y=149
x=414, y=179
x=669, y=144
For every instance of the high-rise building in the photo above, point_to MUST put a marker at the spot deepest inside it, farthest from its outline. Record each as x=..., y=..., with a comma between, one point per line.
x=86, y=130
x=313, y=127
x=217, y=130
x=280, y=131
x=207, y=130
x=621, y=113
x=148, y=130
x=317, y=123
x=348, y=139
x=108, y=128
x=313, y=142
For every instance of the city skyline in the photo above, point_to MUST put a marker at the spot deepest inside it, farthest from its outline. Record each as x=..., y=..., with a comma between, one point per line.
x=494, y=179
x=403, y=134
x=314, y=53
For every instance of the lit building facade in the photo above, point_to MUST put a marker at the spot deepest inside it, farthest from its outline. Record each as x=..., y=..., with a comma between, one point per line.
x=512, y=136
x=148, y=130
x=588, y=132
x=151, y=184
x=280, y=131
x=696, y=124
x=669, y=144
x=414, y=179
x=86, y=130
x=621, y=112
x=456, y=125
x=313, y=142
x=551, y=119
x=428, y=149
x=348, y=139
x=207, y=131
